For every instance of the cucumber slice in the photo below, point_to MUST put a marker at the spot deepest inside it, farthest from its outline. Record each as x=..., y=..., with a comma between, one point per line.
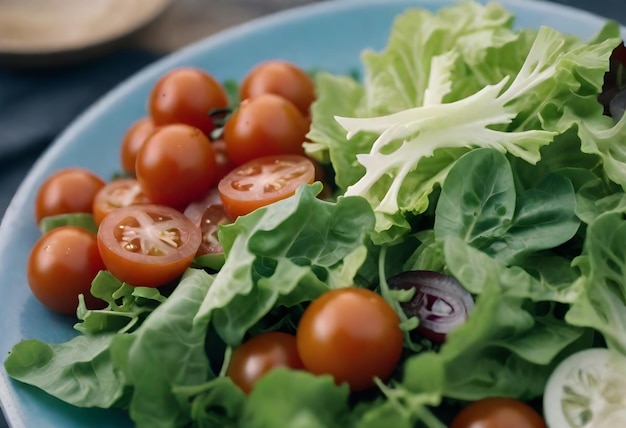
x=588, y=389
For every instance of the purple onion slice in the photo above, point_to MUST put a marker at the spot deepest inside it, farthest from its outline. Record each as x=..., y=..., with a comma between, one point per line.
x=440, y=302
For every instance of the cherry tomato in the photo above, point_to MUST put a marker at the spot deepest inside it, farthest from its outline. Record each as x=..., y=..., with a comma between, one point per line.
x=69, y=190
x=187, y=95
x=147, y=245
x=116, y=194
x=133, y=139
x=280, y=78
x=352, y=334
x=260, y=354
x=498, y=412
x=61, y=265
x=208, y=213
x=263, y=126
x=263, y=181
x=176, y=165
x=440, y=302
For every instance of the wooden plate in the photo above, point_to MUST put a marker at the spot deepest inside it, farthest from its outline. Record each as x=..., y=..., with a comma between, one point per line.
x=36, y=33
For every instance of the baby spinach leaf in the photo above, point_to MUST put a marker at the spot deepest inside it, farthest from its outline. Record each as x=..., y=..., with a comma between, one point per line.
x=479, y=204
x=79, y=371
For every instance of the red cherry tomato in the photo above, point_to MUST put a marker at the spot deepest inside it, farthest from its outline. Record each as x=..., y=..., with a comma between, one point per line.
x=187, y=95
x=440, y=302
x=261, y=354
x=176, y=165
x=263, y=181
x=69, y=190
x=147, y=245
x=263, y=126
x=208, y=214
x=498, y=412
x=61, y=265
x=280, y=78
x=352, y=334
x=116, y=194
x=133, y=139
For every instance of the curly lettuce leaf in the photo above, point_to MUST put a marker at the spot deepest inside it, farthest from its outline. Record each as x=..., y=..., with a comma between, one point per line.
x=602, y=304
x=285, y=254
x=505, y=89
x=126, y=306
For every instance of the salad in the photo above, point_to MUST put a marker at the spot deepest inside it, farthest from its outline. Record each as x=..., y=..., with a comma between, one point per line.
x=444, y=249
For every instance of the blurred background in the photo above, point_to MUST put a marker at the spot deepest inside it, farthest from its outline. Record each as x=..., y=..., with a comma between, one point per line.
x=59, y=56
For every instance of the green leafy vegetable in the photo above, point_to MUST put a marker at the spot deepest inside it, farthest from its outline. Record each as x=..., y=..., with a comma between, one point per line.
x=79, y=372
x=83, y=220
x=167, y=349
x=479, y=204
x=126, y=305
x=285, y=254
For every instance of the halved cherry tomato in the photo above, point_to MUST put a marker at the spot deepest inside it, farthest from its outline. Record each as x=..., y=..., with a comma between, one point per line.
x=263, y=181
x=498, y=412
x=116, y=194
x=260, y=354
x=133, y=139
x=61, y=265
x=208, y=213
x=147, y=245
x=69, y=190
x=176, y=165
x=352, y=334
x=281, y=78
x=262, y=126
x=187, y=95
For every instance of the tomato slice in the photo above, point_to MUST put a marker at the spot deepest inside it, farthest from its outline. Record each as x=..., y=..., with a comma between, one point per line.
x=116, y=194
x=208, y=213
x=147, y=245
x=263, y=181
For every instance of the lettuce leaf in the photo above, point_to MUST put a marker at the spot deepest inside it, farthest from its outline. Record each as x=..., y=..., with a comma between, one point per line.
x=167, y=349
x=602, y=304
x=282, y=255
x=448, y=83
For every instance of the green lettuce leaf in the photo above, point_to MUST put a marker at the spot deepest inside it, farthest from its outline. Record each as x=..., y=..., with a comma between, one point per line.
x=79, y=372
x=126, y=306
x=296, y=399
x=285, y=254
x=511, y=343
x=167, y=350
x=479, y=204
x=602, y=304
